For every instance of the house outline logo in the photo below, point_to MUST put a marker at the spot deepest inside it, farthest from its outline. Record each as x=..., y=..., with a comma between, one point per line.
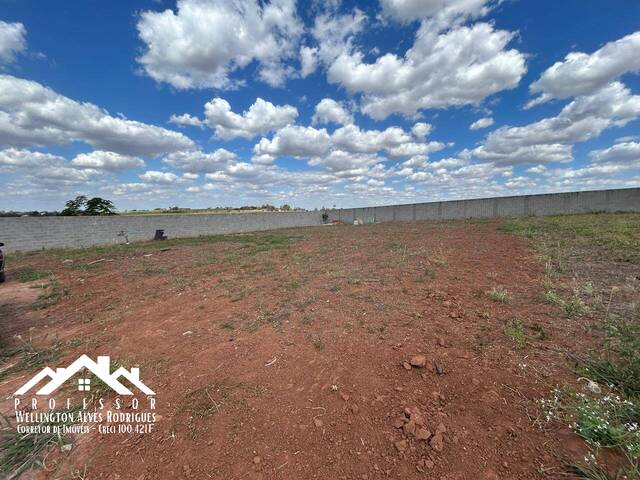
x=100, y=369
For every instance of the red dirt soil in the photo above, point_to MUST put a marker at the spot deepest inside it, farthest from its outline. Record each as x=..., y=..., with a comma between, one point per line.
x=302, y=349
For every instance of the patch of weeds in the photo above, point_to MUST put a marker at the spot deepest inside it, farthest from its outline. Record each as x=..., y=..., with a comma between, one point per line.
x=74, y=343
x=29, y=275
x=306, y=320
x=485, y=315
x=552, y=298
x=159, y=366
x=516, y=331
x=150, y=269
x=439, y=258
x=591, y=471
x=239, y=294
x=181, y=284
x=603, y=418
x=234, y=291
x=428, y=272
x=21, y=451
x=228, y=325
x=32, y=357
x=304, y=302
x=571, y=308
x=539, y=333
x=574, y=307
x=275, y=318
x=50, y=295
x=201, y=403
x=209, y=260
x=619, y=363
x=587, y=289
x=499, y=294
x=317, y=342
x=258, y=241
x=293, y=285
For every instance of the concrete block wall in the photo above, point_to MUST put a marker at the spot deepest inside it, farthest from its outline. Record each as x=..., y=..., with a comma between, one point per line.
x=35, y=233
x=620, y=200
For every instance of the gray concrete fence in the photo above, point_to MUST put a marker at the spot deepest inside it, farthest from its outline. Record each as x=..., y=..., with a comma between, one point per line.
x=34, y=233
x=620, y=200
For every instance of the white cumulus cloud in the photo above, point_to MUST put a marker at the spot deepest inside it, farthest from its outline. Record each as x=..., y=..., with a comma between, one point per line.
x=442, y=11
x=261, y=117
x=583, y=74
x=481, y=123
x=331, y=111
x=620, y=152
x=551, y=139
x=203, y=42
x=34, y=115
x=459, y=67
x=12, y=41
x=109, y=161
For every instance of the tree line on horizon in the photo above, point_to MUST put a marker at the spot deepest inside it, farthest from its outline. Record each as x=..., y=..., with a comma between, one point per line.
x=96, y=206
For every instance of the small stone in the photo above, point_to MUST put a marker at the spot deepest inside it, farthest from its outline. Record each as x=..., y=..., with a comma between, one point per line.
x=416, y=416
x=418, y=361
x=66, y=447
x=401, y=445
x=188, y=332
x=317, y=422
x=441, y=428
x=453, y=315
x=354, y=409
x=422, y=434
x=406, y=365
x=438, y=368
x=437, y=442
x=257, y=460
x=344, y=396
x=409, y=428
x=441, y=342
x=398, y=422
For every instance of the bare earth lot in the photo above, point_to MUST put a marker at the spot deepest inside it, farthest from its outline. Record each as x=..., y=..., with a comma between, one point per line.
x=282, y=354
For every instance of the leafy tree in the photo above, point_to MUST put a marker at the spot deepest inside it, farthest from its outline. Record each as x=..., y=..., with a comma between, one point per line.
x=75, y=206
x=83, y=206
x=285, y=207
x=99, y=206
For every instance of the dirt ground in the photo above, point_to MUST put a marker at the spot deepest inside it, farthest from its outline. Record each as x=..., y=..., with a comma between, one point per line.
x=284, y=354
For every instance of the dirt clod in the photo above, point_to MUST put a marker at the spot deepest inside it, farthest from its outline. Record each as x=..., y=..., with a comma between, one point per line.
x=401, y=445
x=418, y=361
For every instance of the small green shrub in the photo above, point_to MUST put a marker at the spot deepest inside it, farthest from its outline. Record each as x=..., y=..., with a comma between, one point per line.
x=29, y=275
x=499, y=295
x=515, y=329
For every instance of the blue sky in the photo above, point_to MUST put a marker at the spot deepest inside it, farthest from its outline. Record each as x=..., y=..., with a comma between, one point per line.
x=158, y=103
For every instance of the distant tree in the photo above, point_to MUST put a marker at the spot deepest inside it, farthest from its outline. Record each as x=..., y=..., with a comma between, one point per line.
x=99, y=206
x=75, y=206
x=285, y=207
x=83, y=206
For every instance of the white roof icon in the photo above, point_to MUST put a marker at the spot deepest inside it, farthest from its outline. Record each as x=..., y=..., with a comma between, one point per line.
x=101, y=369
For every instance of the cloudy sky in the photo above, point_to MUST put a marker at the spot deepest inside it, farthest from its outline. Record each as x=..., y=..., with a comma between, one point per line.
x=315, y=103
